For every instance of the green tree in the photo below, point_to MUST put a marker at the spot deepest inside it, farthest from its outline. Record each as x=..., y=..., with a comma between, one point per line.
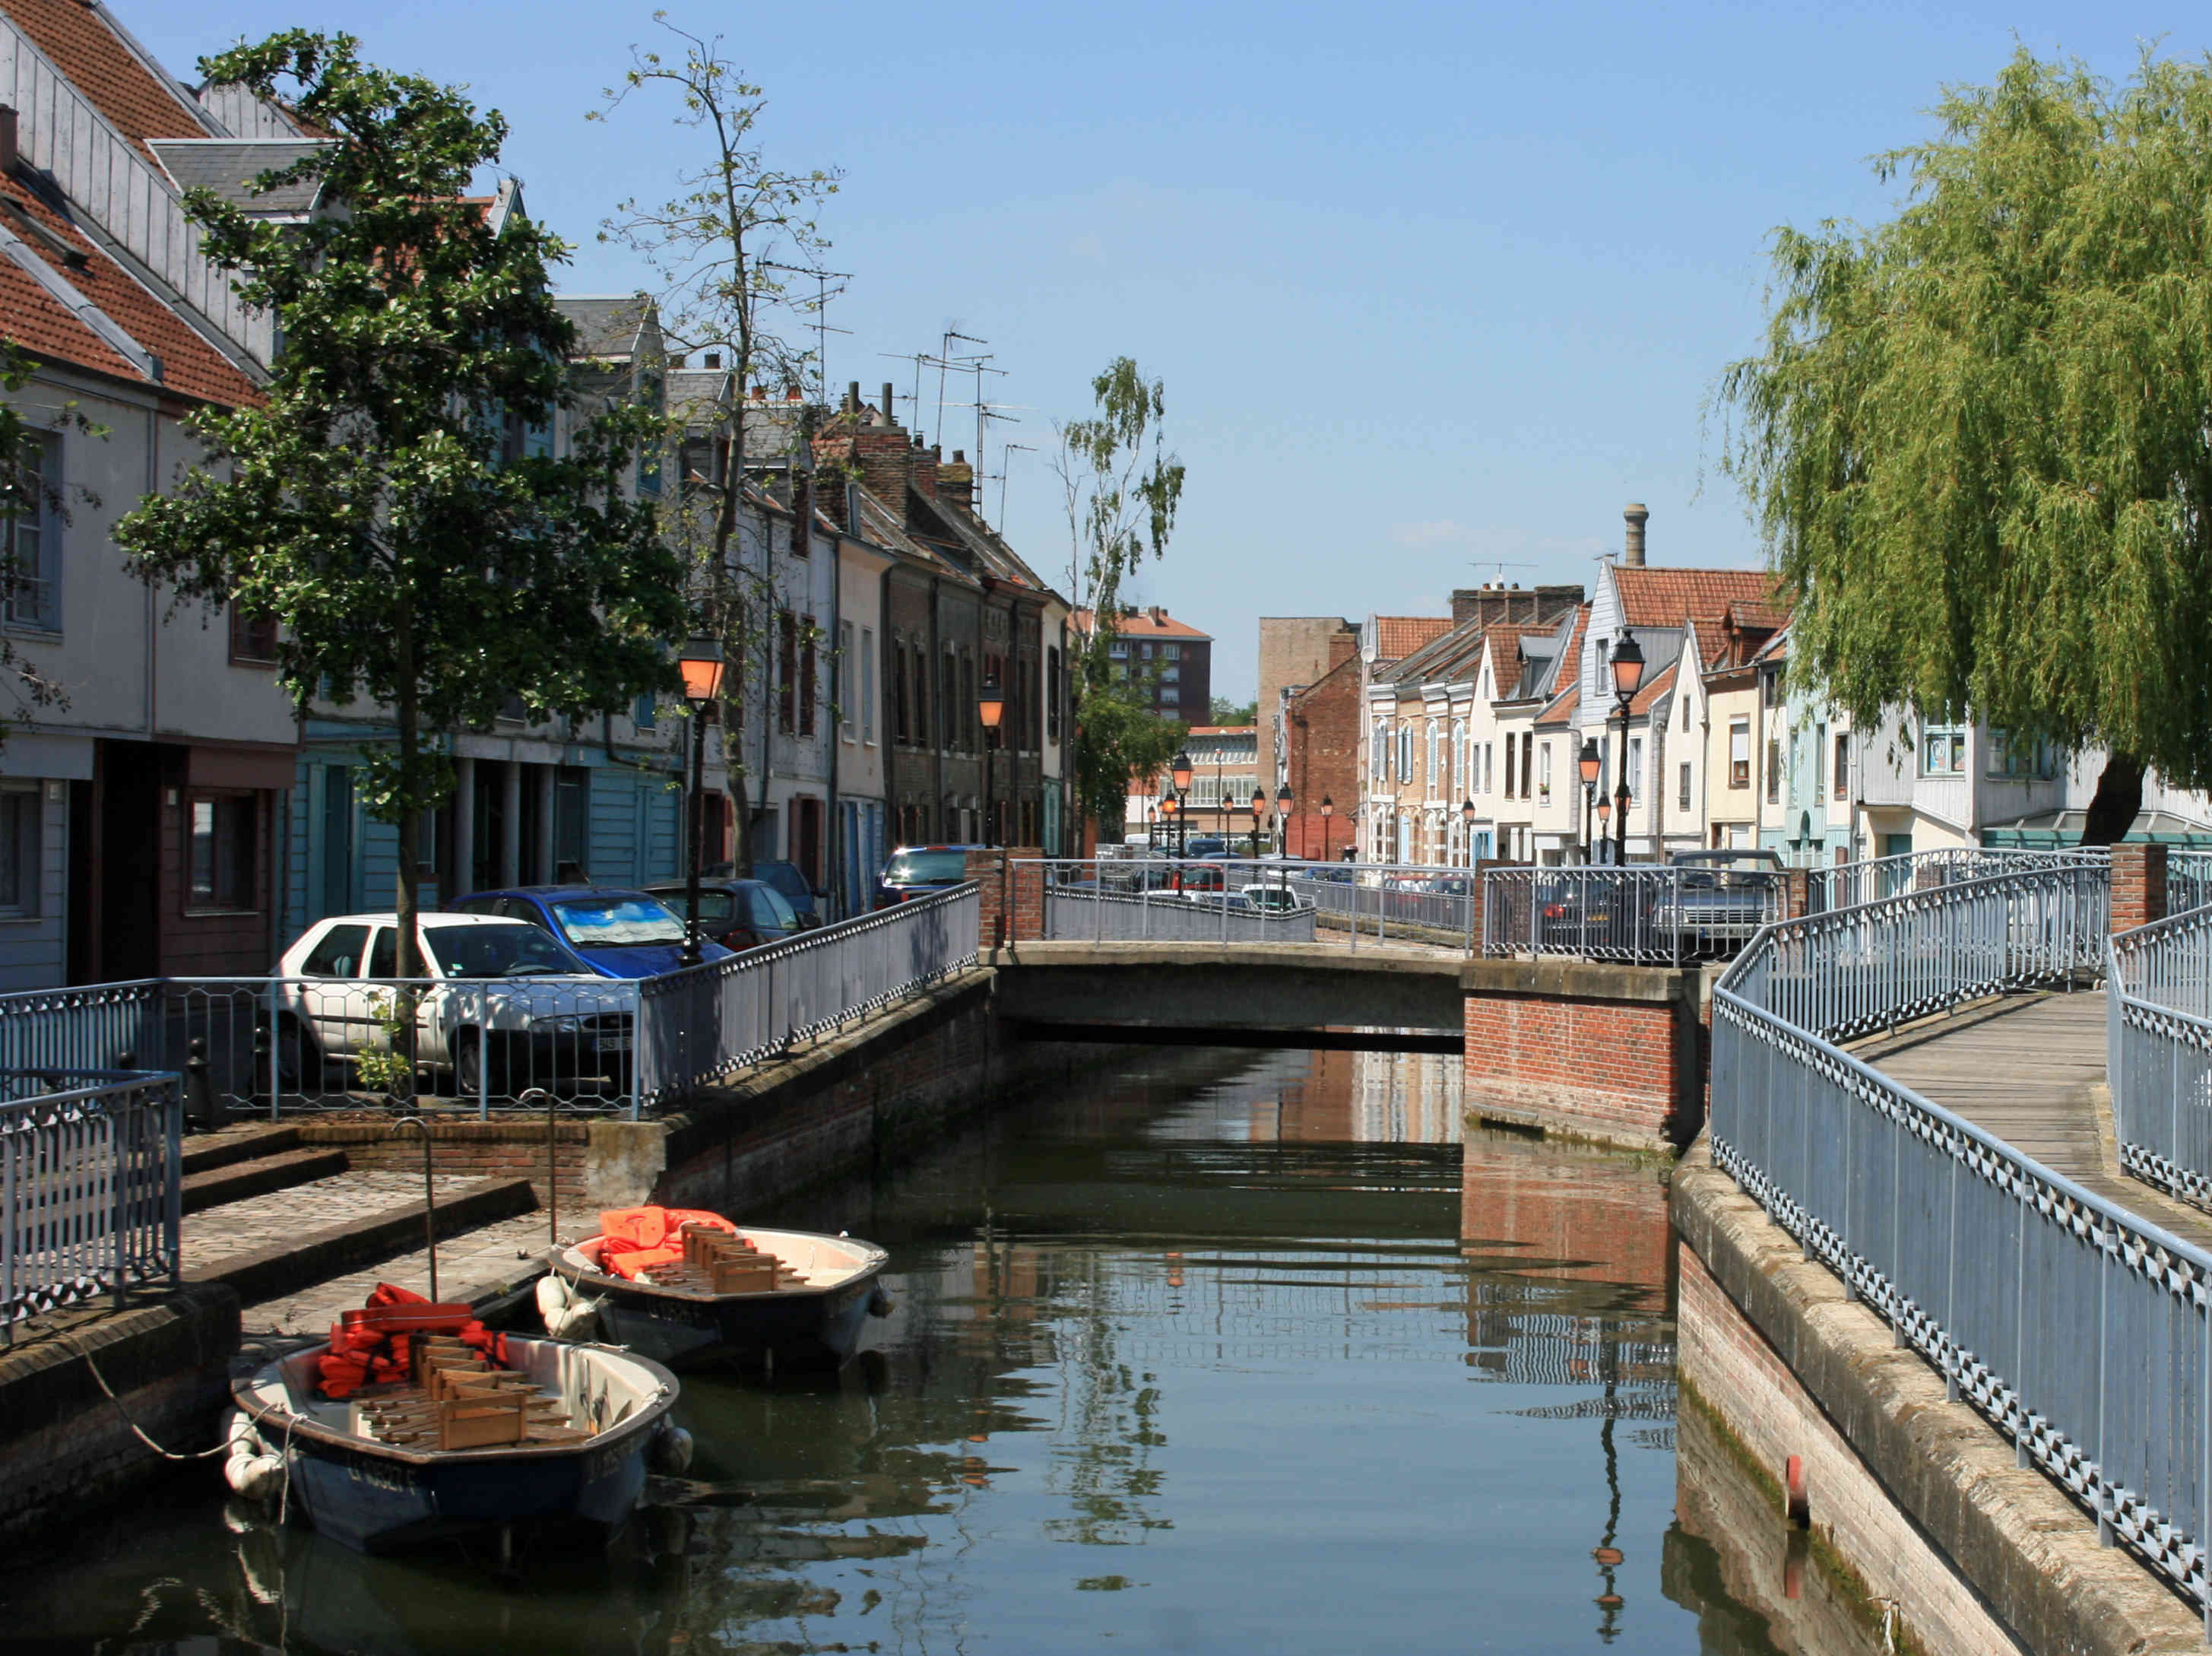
x=1121, y=489
x=373, y=503
x=1979, y=438
x=1226, y=712
x=723, y=246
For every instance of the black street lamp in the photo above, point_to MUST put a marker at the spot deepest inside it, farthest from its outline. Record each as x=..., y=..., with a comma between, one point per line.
x=990, y=707
x=1259, y=804
x=1604, y=815
x=1628, y=675
x=701, y=664
x=1590, y=761
x=1179, y=772
x=1282, y=798
x=1327, y=810
x=1466, y=819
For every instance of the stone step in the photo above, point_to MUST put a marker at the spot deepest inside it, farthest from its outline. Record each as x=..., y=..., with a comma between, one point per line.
x=297, y=1257
x=250, y=1141
x=240, y=1181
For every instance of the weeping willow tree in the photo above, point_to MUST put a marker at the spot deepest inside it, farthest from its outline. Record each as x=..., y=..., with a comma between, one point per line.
x=1979, y=438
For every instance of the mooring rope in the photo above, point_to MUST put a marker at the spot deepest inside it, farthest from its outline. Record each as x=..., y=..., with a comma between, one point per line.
x=223, y=1448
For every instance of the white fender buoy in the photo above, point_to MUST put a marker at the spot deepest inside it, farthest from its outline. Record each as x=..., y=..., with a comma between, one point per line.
x=671, y=1452
x=254, y=1468
x=567, y=1314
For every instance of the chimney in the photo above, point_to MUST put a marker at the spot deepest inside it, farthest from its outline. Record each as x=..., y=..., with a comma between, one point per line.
x=7, y=140
x=956, y=480
x=1632, y=554
x=853, y=398
x=891, y=409
x=792, y=394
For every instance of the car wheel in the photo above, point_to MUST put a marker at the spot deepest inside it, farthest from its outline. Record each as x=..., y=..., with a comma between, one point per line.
x=300, y=1063
x=470, y=1066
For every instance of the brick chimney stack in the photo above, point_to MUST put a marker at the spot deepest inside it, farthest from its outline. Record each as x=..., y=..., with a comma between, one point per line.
x=956, y=480
x=872, y=444
x=1632, y=553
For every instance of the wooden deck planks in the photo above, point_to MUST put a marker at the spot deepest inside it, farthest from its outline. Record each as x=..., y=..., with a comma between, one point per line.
x=2028, y=1075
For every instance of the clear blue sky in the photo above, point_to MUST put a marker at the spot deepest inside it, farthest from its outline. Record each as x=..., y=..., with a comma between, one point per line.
x=1428, y=285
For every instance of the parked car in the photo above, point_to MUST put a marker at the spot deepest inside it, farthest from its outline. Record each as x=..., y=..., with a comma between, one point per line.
x=615, y=932
x=505, y=1002
x=739, y=914
x=917, y=870
x=1720, y=899
x=804, y=900
x=1276, y=899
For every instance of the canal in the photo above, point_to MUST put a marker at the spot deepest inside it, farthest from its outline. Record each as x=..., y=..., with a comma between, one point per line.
x=1239, y=1352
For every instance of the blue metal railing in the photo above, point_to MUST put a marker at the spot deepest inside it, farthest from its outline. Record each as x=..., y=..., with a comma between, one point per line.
x=2077, y=1327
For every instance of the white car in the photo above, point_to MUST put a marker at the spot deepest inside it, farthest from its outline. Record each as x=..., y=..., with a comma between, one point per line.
x=502, y=1005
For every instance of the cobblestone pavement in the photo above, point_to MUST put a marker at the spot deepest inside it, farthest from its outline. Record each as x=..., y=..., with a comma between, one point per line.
x=238, y=1227
x=472, y=1266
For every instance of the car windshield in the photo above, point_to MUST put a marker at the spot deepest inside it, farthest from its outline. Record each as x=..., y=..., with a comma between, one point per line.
x=513, y=950
x=786, y=879
x=769, y=910
x=614, y=922
x=925, y=867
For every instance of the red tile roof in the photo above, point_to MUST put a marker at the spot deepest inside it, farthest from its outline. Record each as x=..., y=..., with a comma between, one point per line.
x=1647, y=693
x=49, y=331
x=1397, y=636
x=99, y=63
x=1667, y=598
x=1144, y=624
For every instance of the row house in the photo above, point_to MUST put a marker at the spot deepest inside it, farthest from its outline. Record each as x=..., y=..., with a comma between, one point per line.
x=1319, y=740
x=960, y=612
x=144, y=815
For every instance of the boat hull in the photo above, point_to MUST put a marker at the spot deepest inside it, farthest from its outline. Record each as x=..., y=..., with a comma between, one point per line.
x=380, y=1497
x=372, y=1504
x=788, y=1331
x=792, y=1329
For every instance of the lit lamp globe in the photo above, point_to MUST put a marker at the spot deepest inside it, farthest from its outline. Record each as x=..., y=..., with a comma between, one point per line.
x=991, y=707
x=1588, y=762
x=1180, y=769
x=701, y=664
x=1627, y=665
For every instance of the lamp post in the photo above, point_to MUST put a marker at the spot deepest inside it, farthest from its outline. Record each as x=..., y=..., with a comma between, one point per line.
x=1467, y=821
x=1628, y=675
x=701, y=664
x=1179, y=772
x=1167, y=809
x=990, y=707
x=1604, y=816
x=1590, y=761
x=1327, y=810
x=1259, y=804
x=1283, y=799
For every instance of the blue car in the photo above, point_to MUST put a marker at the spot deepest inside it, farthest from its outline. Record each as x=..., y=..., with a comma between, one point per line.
x=612, y=932
x=918, y=870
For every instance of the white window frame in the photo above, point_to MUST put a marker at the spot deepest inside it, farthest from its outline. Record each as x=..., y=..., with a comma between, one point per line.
x=847, y=725
x=27, y=808
x=33, y=603
x=1435, y=769
x=868, y=686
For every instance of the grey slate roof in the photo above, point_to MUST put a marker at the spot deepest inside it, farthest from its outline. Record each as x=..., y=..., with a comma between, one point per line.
x=606, y=325
x=228, y=167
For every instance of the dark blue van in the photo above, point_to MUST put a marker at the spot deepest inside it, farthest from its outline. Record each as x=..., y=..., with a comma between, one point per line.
x=616, y=932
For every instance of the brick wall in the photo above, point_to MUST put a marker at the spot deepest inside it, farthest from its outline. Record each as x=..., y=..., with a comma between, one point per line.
x=1294, y=650
x=1323, y=731
x=467, y=1149
x=1010, y=887
x=2138, y=886
x=1619, y=1071
x=1730, y=1367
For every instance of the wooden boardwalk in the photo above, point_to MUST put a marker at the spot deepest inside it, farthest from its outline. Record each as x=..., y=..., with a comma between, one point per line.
x=2030, y=1072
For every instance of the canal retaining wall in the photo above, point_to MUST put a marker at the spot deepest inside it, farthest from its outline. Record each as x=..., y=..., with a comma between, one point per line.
x=1921, y=1496
x=67, y=1447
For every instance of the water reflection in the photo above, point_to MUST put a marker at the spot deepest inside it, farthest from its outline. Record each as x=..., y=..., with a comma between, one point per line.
x=1236, y=1353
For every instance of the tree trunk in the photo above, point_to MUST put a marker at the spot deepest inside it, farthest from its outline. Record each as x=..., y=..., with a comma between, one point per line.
x=2118, y=799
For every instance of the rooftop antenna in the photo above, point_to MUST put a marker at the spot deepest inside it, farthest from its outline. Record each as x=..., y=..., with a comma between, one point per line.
x=1498, y=565
x=823, y=295
x=917, y=358
x=1005, y=469
x=944, y=363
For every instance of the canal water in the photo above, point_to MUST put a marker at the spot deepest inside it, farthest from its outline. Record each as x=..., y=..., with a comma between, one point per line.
x=1239, y=1352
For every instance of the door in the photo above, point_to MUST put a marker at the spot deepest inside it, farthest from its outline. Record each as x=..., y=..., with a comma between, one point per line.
x=330, y=996
x=337, y=839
